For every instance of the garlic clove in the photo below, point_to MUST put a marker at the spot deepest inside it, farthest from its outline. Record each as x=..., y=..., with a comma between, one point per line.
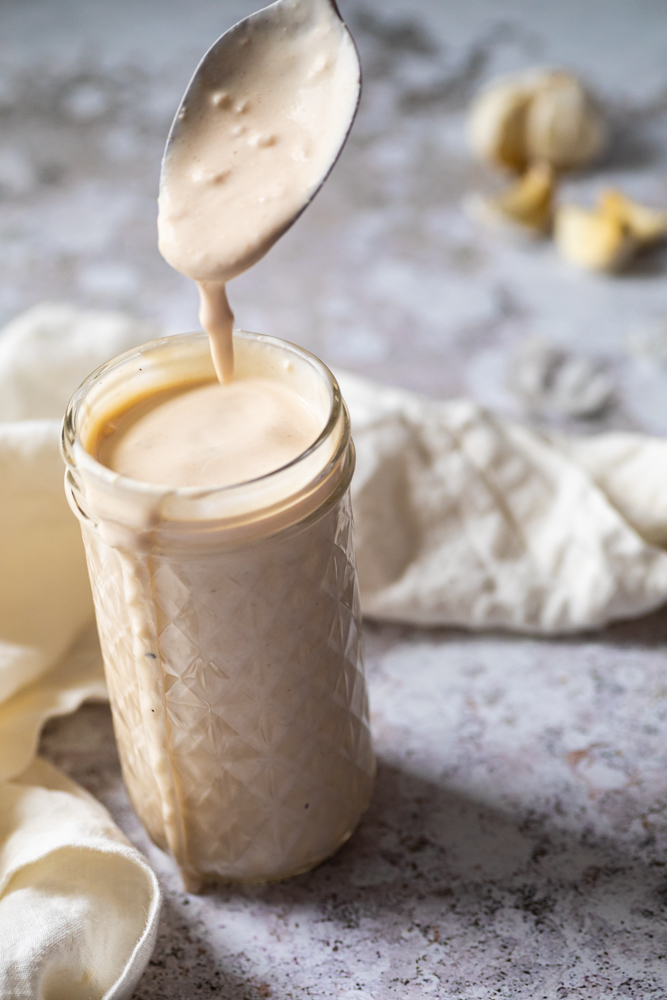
x=592, y=239
x=540, y=114
x=496, y=124
x=564, y=125
x=646, y=225
x=527, y=204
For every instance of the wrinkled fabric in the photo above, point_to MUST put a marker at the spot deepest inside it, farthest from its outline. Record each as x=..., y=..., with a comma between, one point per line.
x=462, y=518
x=465, y=518
x=79, y=906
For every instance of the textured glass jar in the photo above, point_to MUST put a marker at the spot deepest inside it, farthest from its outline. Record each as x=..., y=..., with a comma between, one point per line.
x=230, y=628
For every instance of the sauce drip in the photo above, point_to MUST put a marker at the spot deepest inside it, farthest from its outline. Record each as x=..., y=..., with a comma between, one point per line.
x=259, y=129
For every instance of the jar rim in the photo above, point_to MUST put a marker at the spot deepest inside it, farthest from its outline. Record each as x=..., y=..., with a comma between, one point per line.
x=79, y=459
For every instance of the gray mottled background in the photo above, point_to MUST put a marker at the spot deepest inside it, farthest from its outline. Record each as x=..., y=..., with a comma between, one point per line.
x=516, y=846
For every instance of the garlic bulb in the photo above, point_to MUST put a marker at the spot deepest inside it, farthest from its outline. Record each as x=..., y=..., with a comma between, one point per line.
x=497, y=124
x=543, y=115
x=563, y=124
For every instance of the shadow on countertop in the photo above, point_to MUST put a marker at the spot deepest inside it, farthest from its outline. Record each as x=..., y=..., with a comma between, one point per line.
x=433, y=869
x=436, y=882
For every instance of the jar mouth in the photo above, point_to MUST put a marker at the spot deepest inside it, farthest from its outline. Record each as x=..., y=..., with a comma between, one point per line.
x=187, y=356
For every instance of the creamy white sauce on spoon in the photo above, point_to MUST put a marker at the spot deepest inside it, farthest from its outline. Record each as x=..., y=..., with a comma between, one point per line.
x=259, y=129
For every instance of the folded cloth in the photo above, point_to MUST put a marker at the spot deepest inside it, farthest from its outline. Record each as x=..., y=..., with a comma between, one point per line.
x=79, y=906
x=462, y=518
x=465, y=518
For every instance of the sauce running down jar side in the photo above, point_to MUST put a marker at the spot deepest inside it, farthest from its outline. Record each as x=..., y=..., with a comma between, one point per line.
x=230, y=628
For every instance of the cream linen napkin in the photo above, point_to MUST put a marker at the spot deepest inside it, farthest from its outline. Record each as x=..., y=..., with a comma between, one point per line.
x=78, y=905
x=461, y=517
x=465, y=518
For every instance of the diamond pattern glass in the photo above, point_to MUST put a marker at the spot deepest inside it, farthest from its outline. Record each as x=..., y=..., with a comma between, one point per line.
x=238, y=694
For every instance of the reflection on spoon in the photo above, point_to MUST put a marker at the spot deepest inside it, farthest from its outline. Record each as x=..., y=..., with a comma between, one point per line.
x=259, y=128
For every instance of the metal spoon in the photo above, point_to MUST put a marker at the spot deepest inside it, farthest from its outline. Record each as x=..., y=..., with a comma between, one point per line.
x=236, y=63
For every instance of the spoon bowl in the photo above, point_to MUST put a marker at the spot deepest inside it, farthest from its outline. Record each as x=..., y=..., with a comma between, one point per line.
x=261, y=125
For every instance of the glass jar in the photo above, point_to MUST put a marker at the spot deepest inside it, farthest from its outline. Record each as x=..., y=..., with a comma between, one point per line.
x=230, y=628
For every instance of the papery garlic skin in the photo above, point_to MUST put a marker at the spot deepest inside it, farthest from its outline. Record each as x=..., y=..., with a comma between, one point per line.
x=497, y=124
x=564, y=125
x=540, y=114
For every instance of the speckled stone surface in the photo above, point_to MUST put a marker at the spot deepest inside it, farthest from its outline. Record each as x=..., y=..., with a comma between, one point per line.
x=516, y=846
